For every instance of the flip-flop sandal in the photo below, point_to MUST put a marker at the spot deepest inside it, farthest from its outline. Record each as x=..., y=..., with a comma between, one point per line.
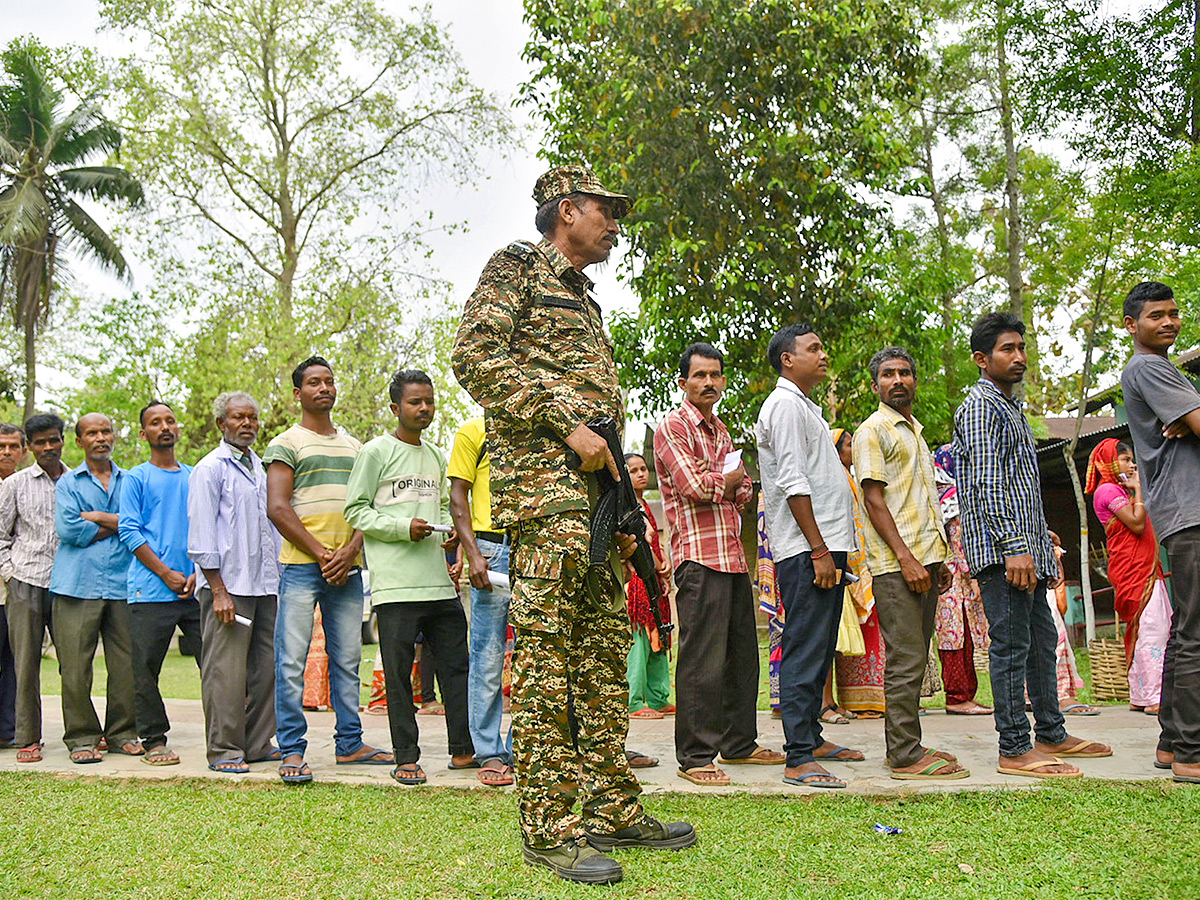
x=235, y=766
x=868, y=714
x=976, y=710
x=720, y=778
x=1079, y=709
x=1189, y=779
x=141, y=751
x=760, y=757
x=1033, y=770
x=495, y=774
x=371, y=759
x=93, y=756
x=640, y=760
x=29, y=754
x=160, y=756
x=835, y=719
x=823, y=782
x=932, y=772
x=408, y=774
x=432, y=709
x=835, y=758
x=1162, y=765
x=304, y=776
x=1081, y=751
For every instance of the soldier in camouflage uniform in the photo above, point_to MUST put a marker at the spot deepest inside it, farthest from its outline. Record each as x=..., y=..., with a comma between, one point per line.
x=532, y=350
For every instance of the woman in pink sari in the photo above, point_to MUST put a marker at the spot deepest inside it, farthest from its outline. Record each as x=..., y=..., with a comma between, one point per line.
x=1134, y=570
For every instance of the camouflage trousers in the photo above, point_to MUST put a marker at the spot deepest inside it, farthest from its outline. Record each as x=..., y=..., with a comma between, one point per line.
x=569, y=657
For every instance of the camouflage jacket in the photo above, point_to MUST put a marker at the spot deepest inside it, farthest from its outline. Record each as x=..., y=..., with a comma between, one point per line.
x=532, y=350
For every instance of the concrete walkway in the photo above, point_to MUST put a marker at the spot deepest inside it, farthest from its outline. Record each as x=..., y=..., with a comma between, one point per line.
x=972, y=738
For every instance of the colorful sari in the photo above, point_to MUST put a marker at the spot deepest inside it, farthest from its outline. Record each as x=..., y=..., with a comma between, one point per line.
x=769, y=602
x=1135, y=572
x=860, y=678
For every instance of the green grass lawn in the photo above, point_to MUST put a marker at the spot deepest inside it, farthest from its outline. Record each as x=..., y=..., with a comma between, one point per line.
x=100, y=838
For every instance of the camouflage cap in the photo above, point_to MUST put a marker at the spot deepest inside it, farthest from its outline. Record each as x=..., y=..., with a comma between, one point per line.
x=563, y=180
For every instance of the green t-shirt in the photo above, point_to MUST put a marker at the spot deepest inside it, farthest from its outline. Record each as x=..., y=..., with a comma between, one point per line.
x=391, y=484
x=320, y=465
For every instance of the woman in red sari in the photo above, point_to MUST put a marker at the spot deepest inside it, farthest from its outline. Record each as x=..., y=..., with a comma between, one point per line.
x=1134, y=569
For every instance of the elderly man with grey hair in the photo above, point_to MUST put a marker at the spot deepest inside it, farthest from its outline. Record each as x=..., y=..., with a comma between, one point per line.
x=235, y=548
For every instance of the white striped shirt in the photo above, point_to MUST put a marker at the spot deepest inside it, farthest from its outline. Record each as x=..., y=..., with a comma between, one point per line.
x=28, y=540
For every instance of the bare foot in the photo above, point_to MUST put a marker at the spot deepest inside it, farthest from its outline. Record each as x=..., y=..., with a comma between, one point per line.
x=933, y=764
x=970, y=708
x=841, y=754
x=940, y=754
x=1164, y=758
x=812, y=774
x=1074, y=746
x=463, y=761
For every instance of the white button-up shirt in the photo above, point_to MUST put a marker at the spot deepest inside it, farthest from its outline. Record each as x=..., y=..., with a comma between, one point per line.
x=797, y=458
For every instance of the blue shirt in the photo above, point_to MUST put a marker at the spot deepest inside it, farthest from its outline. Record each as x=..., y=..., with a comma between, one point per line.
x=90, y=571
x=228, y=528
x=999, y=491
x=154, y=511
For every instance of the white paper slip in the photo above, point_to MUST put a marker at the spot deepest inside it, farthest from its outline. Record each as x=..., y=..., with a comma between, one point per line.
x=442, y=529
x=499, y=581
x=733, y=459
x=242, y=620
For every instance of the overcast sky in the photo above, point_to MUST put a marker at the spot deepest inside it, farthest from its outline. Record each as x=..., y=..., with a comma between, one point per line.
x=489, y=35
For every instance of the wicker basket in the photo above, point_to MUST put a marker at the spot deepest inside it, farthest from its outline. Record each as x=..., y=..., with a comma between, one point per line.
x=1110, y=678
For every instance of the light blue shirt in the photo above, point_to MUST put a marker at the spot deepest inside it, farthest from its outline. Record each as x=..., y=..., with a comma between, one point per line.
x=228, y=528
x=90, y=570
x=154, y=511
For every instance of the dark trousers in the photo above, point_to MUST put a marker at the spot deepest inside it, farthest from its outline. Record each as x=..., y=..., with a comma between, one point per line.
x=8, y=684
x=716, y=680
x=1021, y=657
x=1179, y=709
x=153, y=626
x=237, y=678
x=444, y=627
x=810, y=624
x=79, y=625
x=906, y=620
x=29, y=610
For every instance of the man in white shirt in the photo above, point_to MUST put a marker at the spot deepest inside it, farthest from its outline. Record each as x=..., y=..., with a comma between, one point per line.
x=810, y=522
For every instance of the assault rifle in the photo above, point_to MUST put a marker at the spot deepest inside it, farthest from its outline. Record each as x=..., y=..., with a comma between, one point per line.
x=618, y=510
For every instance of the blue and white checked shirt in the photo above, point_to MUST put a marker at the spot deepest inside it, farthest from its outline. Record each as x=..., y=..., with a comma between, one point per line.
x=999, y=490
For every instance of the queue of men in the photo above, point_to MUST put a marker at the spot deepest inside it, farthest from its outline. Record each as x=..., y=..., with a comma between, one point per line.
x=245, y=549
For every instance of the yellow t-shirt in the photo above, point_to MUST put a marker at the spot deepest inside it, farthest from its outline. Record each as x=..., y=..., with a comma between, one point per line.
x=467, y=444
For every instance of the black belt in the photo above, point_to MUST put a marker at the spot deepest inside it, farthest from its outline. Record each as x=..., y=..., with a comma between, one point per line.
x=496, y=537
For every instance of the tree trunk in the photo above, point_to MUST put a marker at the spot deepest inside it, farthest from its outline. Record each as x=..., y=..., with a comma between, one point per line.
x=950, y=344
x=29, y=307
x=1012, y=170
x=1194, y=129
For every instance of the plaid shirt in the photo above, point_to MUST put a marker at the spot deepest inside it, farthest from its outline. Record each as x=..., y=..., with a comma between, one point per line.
x=28, y=540
x=891, y=450
x=998, y=486
x=688, y=456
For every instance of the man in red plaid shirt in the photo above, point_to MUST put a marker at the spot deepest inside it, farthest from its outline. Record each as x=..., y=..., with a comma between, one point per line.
x=716, y=681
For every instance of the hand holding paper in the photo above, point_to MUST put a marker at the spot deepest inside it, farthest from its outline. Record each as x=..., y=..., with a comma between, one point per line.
x=733, y=459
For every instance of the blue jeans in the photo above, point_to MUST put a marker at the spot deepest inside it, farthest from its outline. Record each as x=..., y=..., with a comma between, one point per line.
x=301, y=589
x=1022, y=657
x=489, y=631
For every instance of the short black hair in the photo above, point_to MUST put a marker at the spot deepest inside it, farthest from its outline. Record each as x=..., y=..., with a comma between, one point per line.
x=9, y=428
x=700, y=348
x=546, y=218
x=889, y=353
x=988, y=328
x=783, y=341
x=298, y=372
x=1146, y=292
x=44, y=422
x=403, y=377
x=149, y=406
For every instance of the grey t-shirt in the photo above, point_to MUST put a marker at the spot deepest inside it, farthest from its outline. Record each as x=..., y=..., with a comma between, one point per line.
x=1156, y=394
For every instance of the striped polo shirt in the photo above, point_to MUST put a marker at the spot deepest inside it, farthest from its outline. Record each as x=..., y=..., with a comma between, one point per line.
x=320, y=465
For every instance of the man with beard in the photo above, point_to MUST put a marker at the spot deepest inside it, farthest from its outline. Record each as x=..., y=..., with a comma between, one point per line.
x=906, y=551
x=1011, y=554
x=12, y=454
x=236, y=549
x=398, y=496
x=89, y=585
x=28, y=542
x=307, y=469
x=162, y=580
x=704, y=493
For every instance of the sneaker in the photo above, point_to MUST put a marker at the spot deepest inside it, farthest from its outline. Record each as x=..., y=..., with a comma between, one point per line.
x=649, y=832
x=575, y=862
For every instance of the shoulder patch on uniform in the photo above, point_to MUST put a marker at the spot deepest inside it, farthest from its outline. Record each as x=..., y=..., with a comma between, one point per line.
x=522, y=250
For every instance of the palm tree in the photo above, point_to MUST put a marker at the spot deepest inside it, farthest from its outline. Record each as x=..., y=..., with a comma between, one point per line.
x=41, y=151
